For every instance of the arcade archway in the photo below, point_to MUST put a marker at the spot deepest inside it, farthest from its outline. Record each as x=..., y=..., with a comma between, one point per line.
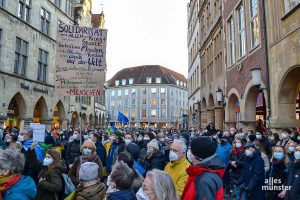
x=40, y=111
x=16, y=111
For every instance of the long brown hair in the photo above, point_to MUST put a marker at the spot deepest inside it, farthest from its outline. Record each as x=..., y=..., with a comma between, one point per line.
x=57, y=163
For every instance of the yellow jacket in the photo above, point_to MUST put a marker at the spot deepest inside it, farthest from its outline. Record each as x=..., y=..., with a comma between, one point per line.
x=177, y=171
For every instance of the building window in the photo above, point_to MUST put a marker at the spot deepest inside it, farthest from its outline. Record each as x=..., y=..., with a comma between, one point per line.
x=158, y=79
x=153, y=101
x=24, y=9
x=163, y=113
x=290, y=4
x=231, y=41
x=126, y=92
x=144, y=101
x=123, y=81
x=21, y=57
x=133, y=113
x=126, y=102
x=116, y=82
x=133, y=91
x=57, y=3
x=163, y=90
x=119, y=102
x=241, y=32
x=153, y=90
x=112, y=103
x=162, y=101
x=153, y=113
x=144, y=113
x=149, y=80
x=42, y=65
x=131, y=81
x=2, y=3
x=119, y=93
x=45, y=21
x=144, y=90
x=132, y=101
x=254, y=28
x=112, y=93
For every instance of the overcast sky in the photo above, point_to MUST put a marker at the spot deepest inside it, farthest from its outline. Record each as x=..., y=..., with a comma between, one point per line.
x=142, y=32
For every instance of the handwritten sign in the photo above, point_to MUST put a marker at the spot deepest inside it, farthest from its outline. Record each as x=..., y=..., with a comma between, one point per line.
x=38, y=131
x=80, y=61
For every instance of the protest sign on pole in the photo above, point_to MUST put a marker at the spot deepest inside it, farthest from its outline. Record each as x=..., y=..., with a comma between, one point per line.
x=38, y=131
x=80, y=61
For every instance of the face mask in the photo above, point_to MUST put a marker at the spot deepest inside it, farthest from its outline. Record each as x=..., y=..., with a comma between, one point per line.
x=298, y=138
x=297, y=155
x=283, y=135
x=215, y=137
x=248, y=153
x=238, y=144
x=188, y=156
x=292, y=135
x=278, y=155
x=21, y=138
x=182, y=139
x=258, y=137
x=271, y=138
x=173, y=156
x=232, y=132
x=112, y=138
x=205, y=131
x=291, y=149
x=47, y=161
x=75, y=136
x=141, y=195
x=146, y=138
x=85, y=137
x=127, y=141
x=149, y=152
x=162, y=139
x=87, y=152
x=8, y=140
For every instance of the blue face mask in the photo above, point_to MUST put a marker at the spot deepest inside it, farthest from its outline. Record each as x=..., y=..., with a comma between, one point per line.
x=278, y=155
x=87, y=152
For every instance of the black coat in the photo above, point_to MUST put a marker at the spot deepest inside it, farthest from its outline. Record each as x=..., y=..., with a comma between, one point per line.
x=157, y=161
x=293, y=180
x=235, y=173
x=253, y=176
x=72, y=151
x=101, y=152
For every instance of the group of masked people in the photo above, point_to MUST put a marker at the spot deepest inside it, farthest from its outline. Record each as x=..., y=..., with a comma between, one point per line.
x=150, y=164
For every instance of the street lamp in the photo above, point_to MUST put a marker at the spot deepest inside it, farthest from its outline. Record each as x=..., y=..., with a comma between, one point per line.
x=219, y=95
x=256, y=76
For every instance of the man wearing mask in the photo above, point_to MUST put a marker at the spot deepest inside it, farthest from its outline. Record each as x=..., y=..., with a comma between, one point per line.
x=177, y=166
x=223, y=150
x=73, y=149
x=117, y=141
x=285, y=138
x=253, y=175
x=205, y=173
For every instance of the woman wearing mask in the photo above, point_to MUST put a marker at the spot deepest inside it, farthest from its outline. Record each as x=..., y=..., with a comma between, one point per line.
x=278, y=171
x=290, y=149
x=154, y=158
x=72, y=149
x=50, y=186
x=88, y=155
x=236, y=164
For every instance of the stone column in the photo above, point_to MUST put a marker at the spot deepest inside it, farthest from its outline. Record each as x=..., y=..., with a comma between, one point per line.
x=219, y=117
x=210, y=116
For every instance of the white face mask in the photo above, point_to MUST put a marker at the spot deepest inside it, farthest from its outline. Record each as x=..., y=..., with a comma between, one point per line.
x=291, y=149
x=112, y=138
x=248, y=153
x=298, y=138
x=127, y=141
x=21, y=138
x=47, y=161
x=173, y=156
x=75, y=136
x=297, y=155
x=85, y=137
x=231, y=132
x=238, y=144
x=258, y=137
x=87, y=152
x=140, y=195
x=283, y=135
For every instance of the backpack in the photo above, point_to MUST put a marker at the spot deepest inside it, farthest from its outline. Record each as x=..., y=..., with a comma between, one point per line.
x=68, y=186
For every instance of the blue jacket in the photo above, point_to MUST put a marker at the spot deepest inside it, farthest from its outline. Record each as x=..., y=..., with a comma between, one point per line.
x=38, y=149
x=253, y=176
x=109, y=159
x=122, y=194
x=101, y=152
x=223, y=152
x=139, y=168
x=25, y=189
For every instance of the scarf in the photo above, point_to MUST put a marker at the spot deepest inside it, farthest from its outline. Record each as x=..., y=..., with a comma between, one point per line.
x=6, y=182
x=238, y=151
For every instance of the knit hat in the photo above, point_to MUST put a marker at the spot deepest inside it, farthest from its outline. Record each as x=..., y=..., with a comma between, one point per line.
x=153, y=143
x=89, y=143
x=151, y=135
x=118, y=133
x=88, y=171
x=133, y=149
x=54, y=154
x=203, y=147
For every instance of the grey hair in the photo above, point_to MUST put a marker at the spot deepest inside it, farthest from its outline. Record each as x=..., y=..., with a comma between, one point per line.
x=182, y=143
x=29, y=132
x=12, y=160
x=162, y=185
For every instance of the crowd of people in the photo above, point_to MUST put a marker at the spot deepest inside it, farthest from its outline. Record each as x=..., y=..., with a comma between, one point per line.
x=159, y=164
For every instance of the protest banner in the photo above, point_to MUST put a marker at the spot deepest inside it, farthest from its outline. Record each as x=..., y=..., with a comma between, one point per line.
x=38, y=131
x=80, y=61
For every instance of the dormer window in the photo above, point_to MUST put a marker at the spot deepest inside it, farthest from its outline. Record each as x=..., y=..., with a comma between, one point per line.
x=123, y=81
x=117, y=82
x=131, y=81
x=149, y=80
x=158, y=80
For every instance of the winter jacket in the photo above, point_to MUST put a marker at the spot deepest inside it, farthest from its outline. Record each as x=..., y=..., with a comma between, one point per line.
x=293, y=180
x=51, y=188
x=122, y=194
x=177, y=171
x=24, y=189
x=205, y=180
x=109, y=159
x=238, y=157
x=157, y=161
x=101, y=152
x=139, y=168
x=74, y=171
x=223, y=152
x=72, y=151
x=107, y=144
x=92, y=190
x=277, y=172
x=253, y=176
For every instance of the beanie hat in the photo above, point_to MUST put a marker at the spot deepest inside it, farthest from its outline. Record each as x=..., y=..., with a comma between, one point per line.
x=54, y=154
x=90, y=144
x=203, y=147
x=151, y=135
x=118, y=133
x=153, y=143
x=88, y=171
x=133, y=149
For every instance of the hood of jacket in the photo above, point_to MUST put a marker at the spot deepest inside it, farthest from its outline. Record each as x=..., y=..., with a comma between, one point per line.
x=92, y=190
x=23, y=189
x=212, y=163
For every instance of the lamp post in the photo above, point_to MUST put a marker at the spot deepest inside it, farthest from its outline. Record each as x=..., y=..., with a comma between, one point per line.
x=256, y=76
x=219, y=95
